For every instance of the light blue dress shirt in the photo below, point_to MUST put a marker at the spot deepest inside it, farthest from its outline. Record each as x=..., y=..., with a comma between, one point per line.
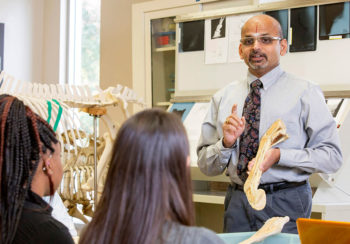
x=313, y=144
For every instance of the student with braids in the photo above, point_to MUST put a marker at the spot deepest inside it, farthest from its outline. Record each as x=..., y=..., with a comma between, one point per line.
x=147, y=196
x=30, y=168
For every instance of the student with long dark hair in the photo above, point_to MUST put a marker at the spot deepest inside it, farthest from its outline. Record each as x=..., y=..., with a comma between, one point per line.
x=30, y=168
x=147, y=196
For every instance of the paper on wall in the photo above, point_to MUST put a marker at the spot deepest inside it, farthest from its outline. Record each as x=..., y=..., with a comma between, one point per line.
x=216, y=41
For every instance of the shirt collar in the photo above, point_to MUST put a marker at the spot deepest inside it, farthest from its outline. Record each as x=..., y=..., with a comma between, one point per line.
x=267, y=79
x=34, y=201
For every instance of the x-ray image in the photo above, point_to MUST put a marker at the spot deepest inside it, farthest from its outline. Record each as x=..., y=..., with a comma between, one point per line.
x=192, y=36
x=334, y=20
x=218, y=28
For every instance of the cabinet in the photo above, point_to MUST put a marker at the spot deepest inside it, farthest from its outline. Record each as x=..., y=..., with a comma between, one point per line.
x=154, y=47
x=163, y=61
x=153, y=63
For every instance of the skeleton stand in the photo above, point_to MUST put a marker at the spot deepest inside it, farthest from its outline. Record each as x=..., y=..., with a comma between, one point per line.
x=96, y=112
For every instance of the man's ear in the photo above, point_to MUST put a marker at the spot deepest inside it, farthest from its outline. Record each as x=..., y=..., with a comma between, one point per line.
x=240, y=51
x=284, y=47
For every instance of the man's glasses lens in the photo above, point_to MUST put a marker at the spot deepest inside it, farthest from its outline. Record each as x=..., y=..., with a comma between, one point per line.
x=248, y=41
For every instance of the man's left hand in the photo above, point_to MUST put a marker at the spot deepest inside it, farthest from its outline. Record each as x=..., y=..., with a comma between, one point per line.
x=272, y=156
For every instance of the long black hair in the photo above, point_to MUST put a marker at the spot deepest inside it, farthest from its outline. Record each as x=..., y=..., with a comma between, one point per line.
x=24, y=136
x=148, y=182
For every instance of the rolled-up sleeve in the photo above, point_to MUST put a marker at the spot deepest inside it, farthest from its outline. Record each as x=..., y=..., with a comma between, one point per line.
x=213, y=157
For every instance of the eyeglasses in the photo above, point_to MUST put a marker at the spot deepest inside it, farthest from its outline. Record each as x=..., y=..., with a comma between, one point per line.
x=265, y=40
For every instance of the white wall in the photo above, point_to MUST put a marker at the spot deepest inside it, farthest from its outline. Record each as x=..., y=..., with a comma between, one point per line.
x=328, y=66
x=115, y=58
x=50, y=42
x=23, y=37
x=115, y=65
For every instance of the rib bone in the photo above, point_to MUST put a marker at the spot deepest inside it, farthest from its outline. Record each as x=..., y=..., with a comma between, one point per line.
x=274, y=135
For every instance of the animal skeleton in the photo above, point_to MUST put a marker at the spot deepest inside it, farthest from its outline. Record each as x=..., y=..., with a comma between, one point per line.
x=37, y=95
x=77, y=170
x=56, y=102
x=102, y=167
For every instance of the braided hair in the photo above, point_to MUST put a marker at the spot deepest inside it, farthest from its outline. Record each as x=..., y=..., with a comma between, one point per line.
x=24, y=137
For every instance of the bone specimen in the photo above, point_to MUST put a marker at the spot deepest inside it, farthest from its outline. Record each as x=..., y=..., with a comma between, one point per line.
x=274, y=135
x=271, y=227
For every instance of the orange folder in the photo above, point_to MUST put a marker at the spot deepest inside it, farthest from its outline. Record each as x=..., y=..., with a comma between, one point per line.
x=323, y=231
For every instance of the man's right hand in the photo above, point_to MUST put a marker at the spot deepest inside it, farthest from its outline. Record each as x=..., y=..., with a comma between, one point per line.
x=232, y=128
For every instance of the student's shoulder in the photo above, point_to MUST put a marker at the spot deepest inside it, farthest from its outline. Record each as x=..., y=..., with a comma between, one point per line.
x=42, y=230
x=54, y=231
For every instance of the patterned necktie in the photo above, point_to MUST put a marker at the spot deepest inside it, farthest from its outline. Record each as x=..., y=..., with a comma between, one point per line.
x=249, y=140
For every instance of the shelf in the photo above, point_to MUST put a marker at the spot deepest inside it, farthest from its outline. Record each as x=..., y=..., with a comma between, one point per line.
x=196, y=174
x=209, y=197
x=204, y=195
x=163, y=103
x=165, y=33
x=164, y=49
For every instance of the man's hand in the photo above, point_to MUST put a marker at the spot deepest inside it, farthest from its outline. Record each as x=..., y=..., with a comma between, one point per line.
x=272, y=156
x=232, y=128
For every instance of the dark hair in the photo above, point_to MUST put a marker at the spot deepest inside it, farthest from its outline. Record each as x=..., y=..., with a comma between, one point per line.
x=24, y=136
x=148, y=182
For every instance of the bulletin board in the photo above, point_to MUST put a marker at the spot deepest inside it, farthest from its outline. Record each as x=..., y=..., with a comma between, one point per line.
x=327, y=66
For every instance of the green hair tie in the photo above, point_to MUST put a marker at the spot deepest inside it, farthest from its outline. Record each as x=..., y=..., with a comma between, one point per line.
x=59, y=114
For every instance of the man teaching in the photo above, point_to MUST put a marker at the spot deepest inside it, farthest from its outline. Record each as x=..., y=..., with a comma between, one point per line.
x=240, y=114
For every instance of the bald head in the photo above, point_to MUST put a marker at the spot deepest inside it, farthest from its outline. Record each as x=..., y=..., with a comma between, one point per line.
x=263, y=20
x=261, y=46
